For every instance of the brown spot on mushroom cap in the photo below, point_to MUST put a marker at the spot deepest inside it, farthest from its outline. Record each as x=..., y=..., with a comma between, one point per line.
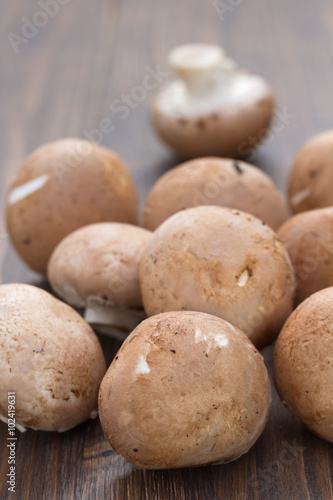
x=311, y=175
x=49, y=357
x=308, y=238
x=185, y=409
x=49, y=180
x=215, y=181
x=195, y=261
x=100, y=263
x=303, y=363
x=237, y=167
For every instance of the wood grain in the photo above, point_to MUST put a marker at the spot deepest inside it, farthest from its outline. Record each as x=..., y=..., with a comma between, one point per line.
x=63, y=82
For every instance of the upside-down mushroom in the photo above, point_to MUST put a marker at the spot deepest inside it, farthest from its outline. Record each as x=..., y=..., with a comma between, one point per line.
x=213, y=109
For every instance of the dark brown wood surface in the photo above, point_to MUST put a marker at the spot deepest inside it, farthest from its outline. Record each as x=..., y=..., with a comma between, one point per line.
x=63, y=81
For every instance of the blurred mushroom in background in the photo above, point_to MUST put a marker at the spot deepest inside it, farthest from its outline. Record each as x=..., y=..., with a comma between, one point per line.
x=213, y=109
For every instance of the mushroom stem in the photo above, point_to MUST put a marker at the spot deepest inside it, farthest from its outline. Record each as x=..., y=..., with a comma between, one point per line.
x=113, y=321
x=202, y=67
x=18, y=426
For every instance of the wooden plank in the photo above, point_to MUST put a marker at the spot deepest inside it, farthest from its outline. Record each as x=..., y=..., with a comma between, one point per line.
x=63, y=82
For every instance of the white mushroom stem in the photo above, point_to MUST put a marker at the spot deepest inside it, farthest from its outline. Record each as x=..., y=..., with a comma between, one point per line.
x=202, y=67
x=113, y=321
x=19, y=427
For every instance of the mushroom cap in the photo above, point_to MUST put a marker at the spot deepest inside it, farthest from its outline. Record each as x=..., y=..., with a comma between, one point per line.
x=308, y=238
x=303, y=363
x=215, y=181
x=232, y=131
x=189, y=389
x=223, y=262
x=61, y=186
x=214, y=109
x=99, y=264
x=49, y=357
x=311, y=175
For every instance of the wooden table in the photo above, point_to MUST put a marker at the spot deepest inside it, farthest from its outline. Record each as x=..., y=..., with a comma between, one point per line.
x=62, y=80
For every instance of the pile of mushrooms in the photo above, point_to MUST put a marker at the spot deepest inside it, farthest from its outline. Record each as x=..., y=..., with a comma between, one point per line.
x=193, y=295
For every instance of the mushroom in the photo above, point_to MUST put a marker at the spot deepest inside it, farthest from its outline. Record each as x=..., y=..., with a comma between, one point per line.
x=62, y=186
x=308, y=238
x=50, y=359
x=213, y=108
x=97, y=267
x=189, y=389
x=303, y=363
x=311, y=175
x=223, y=262
x=215, y=181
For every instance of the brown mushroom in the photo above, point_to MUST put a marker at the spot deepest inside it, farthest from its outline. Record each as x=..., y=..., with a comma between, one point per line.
x=97, y=268
x=308, y=238
x=223, y=262
x=185, y=389
x=303, y=363
x=311, y=175
x=50, y=359
x=215, y=181
x=61, y=186
x=213, y=108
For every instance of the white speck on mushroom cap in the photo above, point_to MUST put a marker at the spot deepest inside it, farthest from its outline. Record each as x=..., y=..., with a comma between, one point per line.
x=26, y=189
x=242, y=280
x=142, y=366
x=220, y=340
x=198, y=335
x=300, y=196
